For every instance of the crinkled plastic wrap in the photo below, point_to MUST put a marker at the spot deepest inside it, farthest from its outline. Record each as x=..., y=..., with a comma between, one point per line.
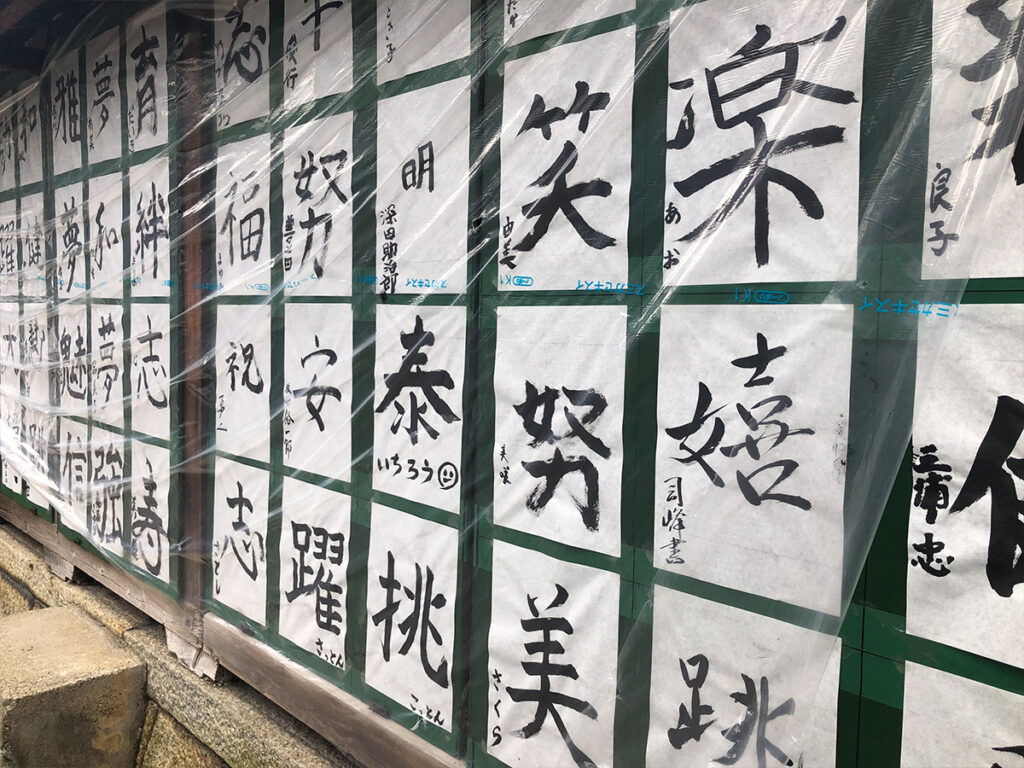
x=539, y=371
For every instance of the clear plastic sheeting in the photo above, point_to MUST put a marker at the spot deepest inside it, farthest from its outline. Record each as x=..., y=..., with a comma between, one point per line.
x=538, y=371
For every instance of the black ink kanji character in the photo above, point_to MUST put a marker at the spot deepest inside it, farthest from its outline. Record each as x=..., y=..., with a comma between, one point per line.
x=107, y=367
x=930, y=490
x=410, y=375
x=926, y=557
x=147, y=530
x=417, y=622
x=689, y=725
x=307, y=170
x=152, y=376
x=759, y=174
x=66, y=124
x=683, y=432
x=995, y=472
x=583, y=104
x=108, y=472
x=549, y=701
x=103, y=91
x=71, y=238
x=755, y=723
x=243, y=53
x=311, y=222
x=1018, y=750
x=542, y=431
x=1005, y=111
x=941, y=238
x=325, y=549
x=75, y=469
x=145, y=71
x=759, y=362
x=561, y=199
x=415, y=171
x=686, y=129
x=754, y=497
x=751, y=443
x=151, y=227
x=554, y=470
x=319, y=8
x=251, y=376
x=106, y=238
x=251, y=542
x=939, y=190
x=318, y=391
x=74, y=379
x=250, y=226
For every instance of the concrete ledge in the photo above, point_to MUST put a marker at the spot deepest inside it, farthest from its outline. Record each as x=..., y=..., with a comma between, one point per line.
x=233, y=720
x=22, y=560
x=168, y=744
x=346, y=721
x=70, y=695
x=243, y=728
x=183, y=620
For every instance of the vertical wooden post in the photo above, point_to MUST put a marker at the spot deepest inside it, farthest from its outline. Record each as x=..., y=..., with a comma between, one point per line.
x=195, y=135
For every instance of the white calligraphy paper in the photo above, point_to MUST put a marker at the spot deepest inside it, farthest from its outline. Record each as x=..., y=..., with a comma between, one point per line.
x=965, y=369
x=72, y=498
x=73, y=372
x=423, y=189
x=779, y=77
x=412, y=575
x=29, y=144
x=706, y=654
x=314, y=561
x=69, y=205
x=243, y=381
x=318, y=389
x=33, y=257
x=150, y=228
x=106, y=490
x=106, y=251
x=241, y=54
x=317, y=235
x=949, y=720
x=243, y=217
x=971, y=181
x=103, y=97
x=107, y=364
x=239, y=556
x=573, y=610
x=417, y=425
x=414, y=35
x=146, y=76
x=317, y=49
x=66, y=113
x=559, y=381
x=148, y=542
x=751, y=463
x=566, y=144
x=150, y=382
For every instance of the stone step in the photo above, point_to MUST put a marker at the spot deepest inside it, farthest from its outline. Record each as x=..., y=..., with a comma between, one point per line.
x=71, y=696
